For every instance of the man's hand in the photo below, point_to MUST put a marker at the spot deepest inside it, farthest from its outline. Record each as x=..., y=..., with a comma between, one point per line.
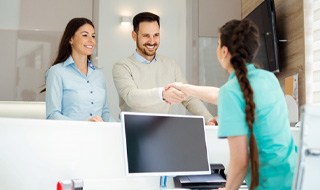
x=173, y=96
x=213, y=121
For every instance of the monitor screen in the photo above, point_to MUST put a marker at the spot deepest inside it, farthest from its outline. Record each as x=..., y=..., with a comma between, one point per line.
x=163, y=144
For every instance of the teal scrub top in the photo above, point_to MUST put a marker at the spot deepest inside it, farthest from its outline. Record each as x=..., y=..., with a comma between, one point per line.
x=277, y=150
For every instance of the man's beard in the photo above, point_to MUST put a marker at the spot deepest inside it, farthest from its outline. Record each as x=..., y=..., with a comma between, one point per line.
x=145, y=51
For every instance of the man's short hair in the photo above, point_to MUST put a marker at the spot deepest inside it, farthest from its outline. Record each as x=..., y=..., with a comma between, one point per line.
x=144, y=17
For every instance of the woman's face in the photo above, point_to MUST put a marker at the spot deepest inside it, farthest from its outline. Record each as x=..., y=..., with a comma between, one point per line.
x=220, y=55
x=224, y=56
x=83, y=41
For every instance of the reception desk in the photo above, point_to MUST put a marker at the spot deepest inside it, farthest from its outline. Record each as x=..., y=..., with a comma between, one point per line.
x=36, y=154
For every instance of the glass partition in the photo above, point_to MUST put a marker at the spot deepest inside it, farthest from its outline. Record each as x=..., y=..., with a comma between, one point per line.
x=30, y=32
x=210, y=71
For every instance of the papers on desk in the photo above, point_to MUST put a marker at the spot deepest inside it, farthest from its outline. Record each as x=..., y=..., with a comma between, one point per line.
x=213, y=178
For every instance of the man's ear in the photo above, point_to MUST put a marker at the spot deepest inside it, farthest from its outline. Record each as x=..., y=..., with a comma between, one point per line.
x=134, y=35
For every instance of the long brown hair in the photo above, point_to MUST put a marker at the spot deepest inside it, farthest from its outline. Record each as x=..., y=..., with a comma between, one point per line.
x=242, y=40
x=65, y=49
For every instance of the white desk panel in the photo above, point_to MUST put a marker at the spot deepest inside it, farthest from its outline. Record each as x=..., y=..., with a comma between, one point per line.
x=35, y=154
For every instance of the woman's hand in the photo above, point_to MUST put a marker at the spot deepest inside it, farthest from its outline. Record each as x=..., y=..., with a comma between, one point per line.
x=176, y=85
x=173, y=93
x=96, y=119
x=173, y=96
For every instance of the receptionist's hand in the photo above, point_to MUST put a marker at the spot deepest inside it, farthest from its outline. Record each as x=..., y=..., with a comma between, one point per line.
x=173, y=96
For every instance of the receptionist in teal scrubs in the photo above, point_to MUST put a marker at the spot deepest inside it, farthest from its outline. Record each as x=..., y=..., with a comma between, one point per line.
x=252, y=112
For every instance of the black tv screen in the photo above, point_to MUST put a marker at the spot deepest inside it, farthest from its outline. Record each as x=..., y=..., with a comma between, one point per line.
x=265, y=17
x=164, y=145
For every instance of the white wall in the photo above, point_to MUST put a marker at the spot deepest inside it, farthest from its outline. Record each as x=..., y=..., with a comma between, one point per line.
x=215, y=13
x=9, y=22
x=9, y=14
x=115, y=40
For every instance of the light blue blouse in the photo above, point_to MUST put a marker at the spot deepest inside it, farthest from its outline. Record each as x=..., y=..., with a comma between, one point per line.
x=277, y=151
x=71, y=95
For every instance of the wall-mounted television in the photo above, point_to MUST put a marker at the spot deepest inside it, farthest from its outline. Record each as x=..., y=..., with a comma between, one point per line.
x=264, y=16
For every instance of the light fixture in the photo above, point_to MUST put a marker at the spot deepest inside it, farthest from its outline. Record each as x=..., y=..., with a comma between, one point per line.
x=125, y=20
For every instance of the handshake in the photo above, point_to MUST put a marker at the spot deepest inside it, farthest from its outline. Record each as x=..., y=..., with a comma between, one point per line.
x=177, y=92
x=174, y=93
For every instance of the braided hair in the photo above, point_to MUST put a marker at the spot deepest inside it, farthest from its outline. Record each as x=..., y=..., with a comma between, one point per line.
x=242, y=40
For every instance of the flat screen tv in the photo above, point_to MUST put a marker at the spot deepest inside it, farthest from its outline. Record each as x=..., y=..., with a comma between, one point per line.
x=164, y=144
x=264, y=16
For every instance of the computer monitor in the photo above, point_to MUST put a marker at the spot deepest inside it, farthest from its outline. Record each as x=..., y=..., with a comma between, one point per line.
x=164, y=145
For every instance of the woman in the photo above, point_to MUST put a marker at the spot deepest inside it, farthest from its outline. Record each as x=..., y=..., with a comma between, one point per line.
x=252, y=113
x=75, y=88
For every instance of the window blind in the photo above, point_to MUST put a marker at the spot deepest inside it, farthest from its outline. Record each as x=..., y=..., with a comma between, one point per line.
x=316, y=52
x=312, y=49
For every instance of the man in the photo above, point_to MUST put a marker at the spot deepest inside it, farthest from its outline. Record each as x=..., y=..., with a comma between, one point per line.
x=140, y=79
